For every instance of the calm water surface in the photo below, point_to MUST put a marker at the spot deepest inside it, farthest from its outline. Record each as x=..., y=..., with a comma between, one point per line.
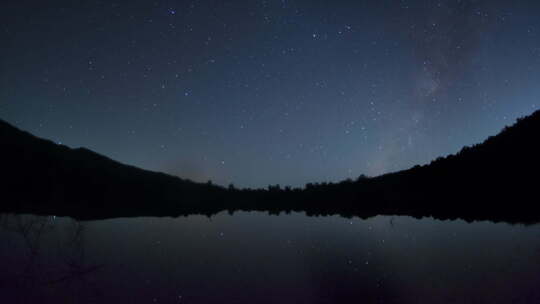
x=259, y=258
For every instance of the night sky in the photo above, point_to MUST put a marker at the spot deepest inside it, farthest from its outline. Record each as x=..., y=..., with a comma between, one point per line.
x=264, y=92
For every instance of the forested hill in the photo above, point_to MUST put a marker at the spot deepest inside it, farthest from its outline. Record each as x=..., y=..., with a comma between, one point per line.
x=39, y=175
x=495, y=180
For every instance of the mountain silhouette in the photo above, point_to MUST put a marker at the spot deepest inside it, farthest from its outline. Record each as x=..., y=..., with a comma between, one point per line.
x=41, y=176
x=496, y=180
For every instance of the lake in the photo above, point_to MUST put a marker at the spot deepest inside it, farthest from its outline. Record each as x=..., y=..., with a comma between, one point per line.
x=253, y=257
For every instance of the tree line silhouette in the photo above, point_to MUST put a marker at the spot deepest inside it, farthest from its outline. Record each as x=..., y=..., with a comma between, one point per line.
x=495, y=180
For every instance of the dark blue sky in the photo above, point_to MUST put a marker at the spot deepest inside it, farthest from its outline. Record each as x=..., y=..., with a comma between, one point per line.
x=260, y=92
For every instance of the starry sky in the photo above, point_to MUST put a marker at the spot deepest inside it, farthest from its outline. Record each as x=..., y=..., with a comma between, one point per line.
x=265, y=92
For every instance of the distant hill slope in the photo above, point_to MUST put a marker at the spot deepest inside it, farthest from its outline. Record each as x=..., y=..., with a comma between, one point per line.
x=496, y=180
x=504, y=167
x=39, y=175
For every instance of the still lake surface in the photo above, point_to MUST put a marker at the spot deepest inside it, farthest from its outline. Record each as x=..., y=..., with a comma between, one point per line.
x=253, y=257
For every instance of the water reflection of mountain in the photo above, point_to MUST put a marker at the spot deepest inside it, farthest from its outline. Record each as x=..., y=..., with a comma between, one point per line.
x=253, y=257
